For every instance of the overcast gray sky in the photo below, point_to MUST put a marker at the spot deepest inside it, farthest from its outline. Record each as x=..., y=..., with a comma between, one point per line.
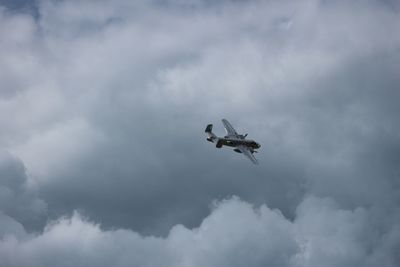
x=103, y=157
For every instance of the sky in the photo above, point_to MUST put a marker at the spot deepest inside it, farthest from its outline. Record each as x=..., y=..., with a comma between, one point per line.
x=103, y=157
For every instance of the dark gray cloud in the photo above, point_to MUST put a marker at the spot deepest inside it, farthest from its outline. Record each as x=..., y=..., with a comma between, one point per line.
x=106, y=103
x=19, y=206
x=27, y=6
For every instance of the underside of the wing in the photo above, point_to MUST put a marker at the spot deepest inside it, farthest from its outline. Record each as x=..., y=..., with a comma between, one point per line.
x=230, y=131
x=246, y=151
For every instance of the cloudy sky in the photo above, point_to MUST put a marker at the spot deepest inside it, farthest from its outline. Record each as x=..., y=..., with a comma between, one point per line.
x=103, y=157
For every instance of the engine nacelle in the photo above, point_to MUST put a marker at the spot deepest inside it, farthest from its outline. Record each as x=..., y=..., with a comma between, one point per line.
x=237, y=150
x=219, y=144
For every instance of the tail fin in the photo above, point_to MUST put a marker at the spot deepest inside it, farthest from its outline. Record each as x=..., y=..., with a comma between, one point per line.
x=210, y=135
x=209, y=128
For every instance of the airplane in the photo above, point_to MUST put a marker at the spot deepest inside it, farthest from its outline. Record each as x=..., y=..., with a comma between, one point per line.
x=233, y=139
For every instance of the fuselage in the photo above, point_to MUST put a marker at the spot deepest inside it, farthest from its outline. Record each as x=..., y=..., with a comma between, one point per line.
x=234, y=142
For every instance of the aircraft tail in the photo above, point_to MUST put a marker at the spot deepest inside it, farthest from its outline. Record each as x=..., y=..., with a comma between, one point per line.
x=211, y=137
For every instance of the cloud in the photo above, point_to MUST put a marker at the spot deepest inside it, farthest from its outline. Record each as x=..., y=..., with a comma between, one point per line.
x=341, y=237
x=104, y=106
x=19, y=203
x=234, y=234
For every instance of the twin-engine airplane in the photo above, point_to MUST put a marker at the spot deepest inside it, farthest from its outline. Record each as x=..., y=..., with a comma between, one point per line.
x=233, y=139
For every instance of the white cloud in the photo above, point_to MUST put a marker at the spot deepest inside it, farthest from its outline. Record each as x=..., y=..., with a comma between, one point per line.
x=234, y=234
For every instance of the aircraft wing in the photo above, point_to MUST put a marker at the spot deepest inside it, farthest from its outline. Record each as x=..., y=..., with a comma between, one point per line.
x=246, y=151
x=229, y=128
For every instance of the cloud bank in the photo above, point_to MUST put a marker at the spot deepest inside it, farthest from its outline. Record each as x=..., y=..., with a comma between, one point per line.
x=103, y=107
x=234, y=234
